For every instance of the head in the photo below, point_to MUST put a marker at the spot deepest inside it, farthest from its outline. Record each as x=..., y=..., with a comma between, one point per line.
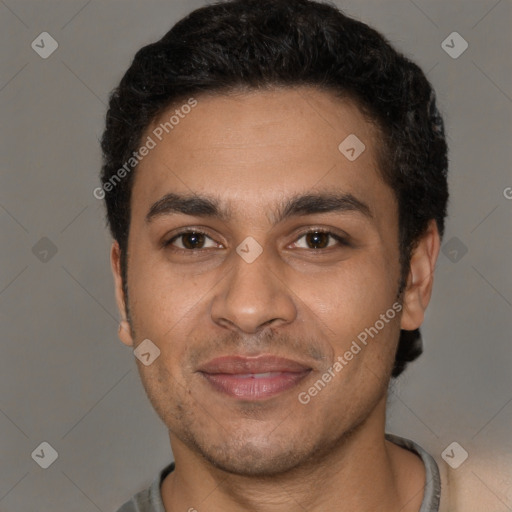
x=243, y=105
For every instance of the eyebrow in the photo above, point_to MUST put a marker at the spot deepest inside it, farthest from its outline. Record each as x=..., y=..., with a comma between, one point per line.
x=197, y=206
x=309, y=204
x=302, y=204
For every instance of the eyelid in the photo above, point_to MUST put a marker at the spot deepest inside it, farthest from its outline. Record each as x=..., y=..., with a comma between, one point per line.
x=341, y=238
x=186, y=231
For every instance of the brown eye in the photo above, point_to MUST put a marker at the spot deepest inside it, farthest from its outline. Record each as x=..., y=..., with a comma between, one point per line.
x=317, y=240
x=191, y=240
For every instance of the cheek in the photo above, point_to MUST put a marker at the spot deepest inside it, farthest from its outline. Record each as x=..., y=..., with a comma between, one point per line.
x=352, y=295
x=169, y=394
x=162, y=299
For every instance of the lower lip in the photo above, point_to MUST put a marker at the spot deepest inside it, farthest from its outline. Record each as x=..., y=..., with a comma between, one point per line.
x=253, y=387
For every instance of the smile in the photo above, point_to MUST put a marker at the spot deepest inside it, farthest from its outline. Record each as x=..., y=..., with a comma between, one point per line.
x=254, y=378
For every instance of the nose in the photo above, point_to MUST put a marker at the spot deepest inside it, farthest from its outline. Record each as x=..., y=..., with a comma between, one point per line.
x=253, y=296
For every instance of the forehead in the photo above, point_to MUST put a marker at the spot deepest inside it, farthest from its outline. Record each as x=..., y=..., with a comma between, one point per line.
x=259, y=146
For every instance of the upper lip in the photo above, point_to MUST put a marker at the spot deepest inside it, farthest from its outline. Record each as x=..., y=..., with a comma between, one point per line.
x=254, y=364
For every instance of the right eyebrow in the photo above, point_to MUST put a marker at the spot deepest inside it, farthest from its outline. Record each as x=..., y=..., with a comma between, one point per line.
x=197, y=206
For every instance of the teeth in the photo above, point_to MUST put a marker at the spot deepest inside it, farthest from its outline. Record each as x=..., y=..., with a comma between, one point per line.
x=258, y=375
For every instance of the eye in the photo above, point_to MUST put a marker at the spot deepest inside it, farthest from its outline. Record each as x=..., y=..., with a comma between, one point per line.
x=190, y=240
x=319, y=239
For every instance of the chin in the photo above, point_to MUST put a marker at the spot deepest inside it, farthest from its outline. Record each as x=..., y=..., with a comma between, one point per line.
x=253, y=460
x=255, y=466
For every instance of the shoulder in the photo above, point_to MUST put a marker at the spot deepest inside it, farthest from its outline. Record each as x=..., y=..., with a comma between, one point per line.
x=473, y=481
x=466, y=479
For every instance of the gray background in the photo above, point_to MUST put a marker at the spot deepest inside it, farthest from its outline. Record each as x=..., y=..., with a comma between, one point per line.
x=64, y=376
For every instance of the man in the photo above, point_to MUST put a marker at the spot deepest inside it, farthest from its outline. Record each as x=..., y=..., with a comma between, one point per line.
x=275, y=180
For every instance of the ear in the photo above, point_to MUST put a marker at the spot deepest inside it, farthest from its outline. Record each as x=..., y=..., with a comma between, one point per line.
x=421, y=278
x=125, y=334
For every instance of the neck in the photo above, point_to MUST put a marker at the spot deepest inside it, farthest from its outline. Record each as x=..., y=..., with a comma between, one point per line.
x=361, y=472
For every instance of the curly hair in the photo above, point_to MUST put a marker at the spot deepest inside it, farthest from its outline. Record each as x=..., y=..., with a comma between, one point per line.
x=259, y=44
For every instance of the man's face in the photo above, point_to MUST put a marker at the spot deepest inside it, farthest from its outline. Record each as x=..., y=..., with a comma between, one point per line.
x=305, y=298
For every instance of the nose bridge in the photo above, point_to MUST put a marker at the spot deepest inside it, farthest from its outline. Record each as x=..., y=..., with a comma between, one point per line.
x=253, y=295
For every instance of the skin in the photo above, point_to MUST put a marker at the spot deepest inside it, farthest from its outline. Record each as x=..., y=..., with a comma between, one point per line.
x=252, y=151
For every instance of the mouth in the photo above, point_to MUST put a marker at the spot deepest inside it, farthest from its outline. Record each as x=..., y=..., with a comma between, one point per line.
x=253, y=378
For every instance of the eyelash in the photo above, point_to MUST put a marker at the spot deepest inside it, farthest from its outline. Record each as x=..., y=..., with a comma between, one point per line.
x=186, y=232
x=341, y=240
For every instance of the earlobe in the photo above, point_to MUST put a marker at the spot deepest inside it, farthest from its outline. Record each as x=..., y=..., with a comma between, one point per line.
x=124, y=331
x=421, y=278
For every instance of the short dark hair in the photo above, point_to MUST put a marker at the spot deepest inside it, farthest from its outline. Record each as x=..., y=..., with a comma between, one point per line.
x=260, y=44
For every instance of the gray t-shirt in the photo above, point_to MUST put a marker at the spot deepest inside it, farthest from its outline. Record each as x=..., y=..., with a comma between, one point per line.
x=150, y=499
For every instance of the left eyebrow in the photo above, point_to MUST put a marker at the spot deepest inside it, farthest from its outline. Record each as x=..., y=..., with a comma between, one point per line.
x=310, y=204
